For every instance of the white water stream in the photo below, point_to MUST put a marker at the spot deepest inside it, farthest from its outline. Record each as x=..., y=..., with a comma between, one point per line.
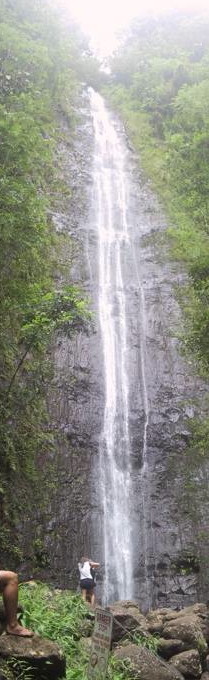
x=111, y=199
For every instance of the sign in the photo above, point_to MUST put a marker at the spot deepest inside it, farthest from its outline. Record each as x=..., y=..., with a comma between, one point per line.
x=101, y=641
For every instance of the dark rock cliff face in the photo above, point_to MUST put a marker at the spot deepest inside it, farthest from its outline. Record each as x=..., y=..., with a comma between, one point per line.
x=169, y=568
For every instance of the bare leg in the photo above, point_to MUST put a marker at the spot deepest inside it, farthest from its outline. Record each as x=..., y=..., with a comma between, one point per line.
x=93, y=598
x=9, y=590
x=83, y=594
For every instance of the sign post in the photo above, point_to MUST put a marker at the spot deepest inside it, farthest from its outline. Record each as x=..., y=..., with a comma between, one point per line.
x=101, y=641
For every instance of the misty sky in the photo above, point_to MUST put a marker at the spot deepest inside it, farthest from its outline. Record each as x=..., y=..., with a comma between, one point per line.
x=102, y=19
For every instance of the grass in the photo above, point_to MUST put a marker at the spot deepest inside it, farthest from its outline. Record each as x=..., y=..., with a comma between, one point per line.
x=61, y=616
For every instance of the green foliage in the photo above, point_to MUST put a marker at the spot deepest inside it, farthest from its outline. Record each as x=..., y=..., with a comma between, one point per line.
x=41, y=66
x=61, y=616
x=57, y=615
x=117, y=670
x=6, y=671
x=20, y=669
x=54, y=614
x=65, y=310
x=148, y=641
x=160, y=85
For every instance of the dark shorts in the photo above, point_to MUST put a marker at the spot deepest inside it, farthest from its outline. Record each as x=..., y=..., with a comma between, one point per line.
x=87, y=583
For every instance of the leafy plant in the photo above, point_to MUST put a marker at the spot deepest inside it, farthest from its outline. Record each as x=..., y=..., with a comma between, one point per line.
x=61, y=616
x=148, y=641
x=160, y=86
x=21, y=669
x=57, y=615
x=42, y=63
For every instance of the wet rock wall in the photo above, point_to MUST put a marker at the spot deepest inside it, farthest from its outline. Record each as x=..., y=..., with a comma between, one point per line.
x=167, y=553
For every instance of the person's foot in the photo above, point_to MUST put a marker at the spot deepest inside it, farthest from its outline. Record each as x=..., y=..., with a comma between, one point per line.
x=19, y=631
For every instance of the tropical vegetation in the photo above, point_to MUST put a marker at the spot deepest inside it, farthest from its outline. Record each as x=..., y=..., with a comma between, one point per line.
x=62, y=616
x=160, y=85
x=42, y=65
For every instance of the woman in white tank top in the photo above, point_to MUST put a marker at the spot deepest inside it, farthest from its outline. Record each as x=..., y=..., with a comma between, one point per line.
x=86, y=579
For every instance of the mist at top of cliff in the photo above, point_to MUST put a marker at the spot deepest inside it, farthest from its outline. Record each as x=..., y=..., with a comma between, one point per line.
x=104, y=21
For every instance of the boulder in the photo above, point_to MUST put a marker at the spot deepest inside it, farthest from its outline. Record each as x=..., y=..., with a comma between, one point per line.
x=188, y=663
x=192, y=609
x=144, y=665
x=188, y=629
x=44, y=657
x=127, y=619
x=163, y=611
x=155, y=622
x=202, y=612
x=168, y=648
x=198, y=612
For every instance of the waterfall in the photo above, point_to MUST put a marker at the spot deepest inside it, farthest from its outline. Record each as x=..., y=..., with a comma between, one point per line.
x=122, y=393
x=110, y=199
x=111, y=203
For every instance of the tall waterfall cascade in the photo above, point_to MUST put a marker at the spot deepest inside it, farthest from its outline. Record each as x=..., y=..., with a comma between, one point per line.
x=116, y=266
x=122, y=394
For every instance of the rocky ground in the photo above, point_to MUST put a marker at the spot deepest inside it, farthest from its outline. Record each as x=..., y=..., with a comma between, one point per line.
x=177, y=648
x=19, y=655
x=163, y=645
